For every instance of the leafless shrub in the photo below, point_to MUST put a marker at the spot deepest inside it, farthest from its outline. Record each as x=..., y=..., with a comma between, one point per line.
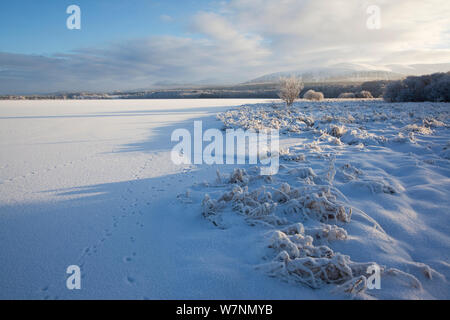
x=290, y=89
x=313, y=95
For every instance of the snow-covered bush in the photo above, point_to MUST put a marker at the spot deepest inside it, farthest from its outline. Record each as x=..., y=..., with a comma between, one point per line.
x=337, y=131
x=316, y=272
x=313, y=95
x=347, y=95
x=290, y=89
x=364, y=94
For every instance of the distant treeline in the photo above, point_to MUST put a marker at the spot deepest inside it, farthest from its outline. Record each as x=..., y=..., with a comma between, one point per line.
x=259, y=91
x=434, y=87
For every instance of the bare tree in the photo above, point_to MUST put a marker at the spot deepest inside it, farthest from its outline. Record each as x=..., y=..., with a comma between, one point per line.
x=290, y=89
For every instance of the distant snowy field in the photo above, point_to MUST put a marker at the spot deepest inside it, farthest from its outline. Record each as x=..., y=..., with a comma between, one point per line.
x=91, y=183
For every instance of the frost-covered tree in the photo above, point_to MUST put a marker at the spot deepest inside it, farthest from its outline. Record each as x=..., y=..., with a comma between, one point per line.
x=434, y=87
x=313, y=95
x=290, y=89
x=392, y=90
x=439, y=89
x=376, y=88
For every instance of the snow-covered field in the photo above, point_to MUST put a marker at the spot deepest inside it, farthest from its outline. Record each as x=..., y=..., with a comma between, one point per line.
x=91, y=183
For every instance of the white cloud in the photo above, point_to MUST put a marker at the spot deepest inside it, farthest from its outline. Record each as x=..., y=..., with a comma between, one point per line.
x=336, y=30
x=133, y=64
x=243, y=39
x=165, y=18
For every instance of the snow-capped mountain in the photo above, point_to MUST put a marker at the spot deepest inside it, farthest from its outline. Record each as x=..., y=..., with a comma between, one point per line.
x=352, y=72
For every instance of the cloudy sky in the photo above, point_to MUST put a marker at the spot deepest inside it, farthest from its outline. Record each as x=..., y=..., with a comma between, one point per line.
x=147, y=43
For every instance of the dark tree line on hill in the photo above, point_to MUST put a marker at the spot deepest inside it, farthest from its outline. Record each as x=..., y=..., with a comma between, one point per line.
x=434, y=87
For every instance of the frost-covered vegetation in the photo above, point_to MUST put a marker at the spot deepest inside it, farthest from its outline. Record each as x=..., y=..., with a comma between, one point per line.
x=316, y=231
x=363, y=94
x=313, y=95
x=434, y=87
x=290, y=89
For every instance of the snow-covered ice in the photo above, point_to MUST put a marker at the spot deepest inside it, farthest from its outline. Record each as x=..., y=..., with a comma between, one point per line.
x=91, y=183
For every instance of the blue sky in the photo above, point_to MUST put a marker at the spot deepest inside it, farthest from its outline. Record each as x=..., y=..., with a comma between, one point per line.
x=39, y=27
x=137, y=44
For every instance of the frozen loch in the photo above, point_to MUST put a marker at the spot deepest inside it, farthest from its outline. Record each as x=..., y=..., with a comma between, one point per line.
x=362, y=189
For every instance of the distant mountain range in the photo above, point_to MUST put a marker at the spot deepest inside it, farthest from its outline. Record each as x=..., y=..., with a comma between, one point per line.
x=352, y=72
x=331, y=80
